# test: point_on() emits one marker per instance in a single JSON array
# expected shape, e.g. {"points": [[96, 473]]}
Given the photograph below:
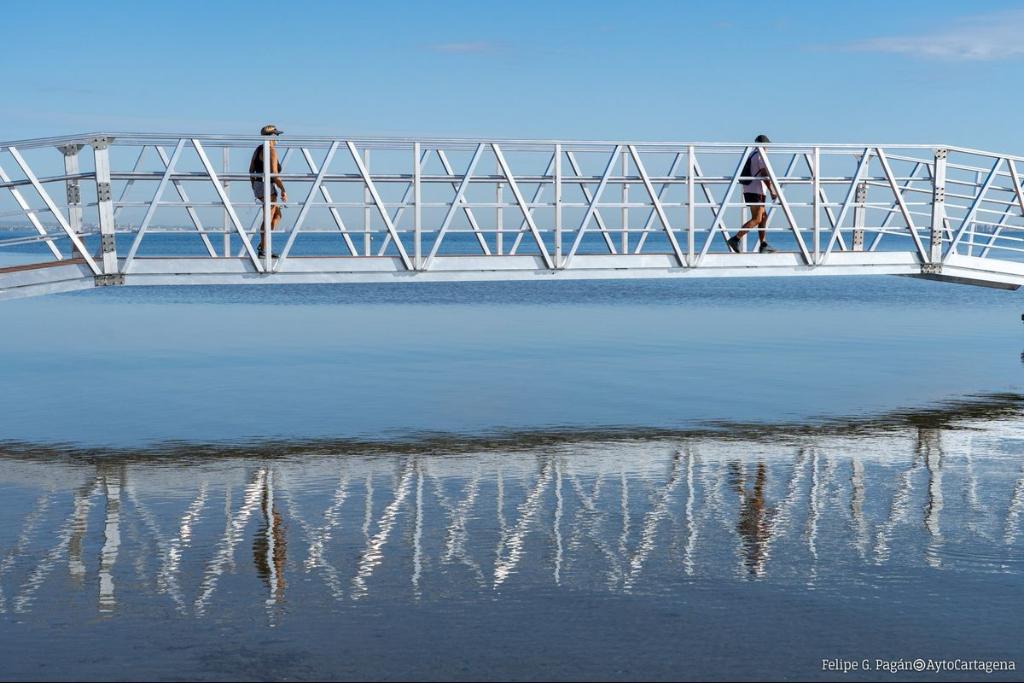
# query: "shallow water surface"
{"points": [[654, 480], [751, 556], [236, 364]]}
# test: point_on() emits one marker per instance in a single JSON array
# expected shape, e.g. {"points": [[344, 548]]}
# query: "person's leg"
{"points": [[257, 190], [275, 218], [263, 229], [756, 218], [762, 231], [263, 234]]}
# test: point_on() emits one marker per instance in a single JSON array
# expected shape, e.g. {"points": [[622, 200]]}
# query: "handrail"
{"points": [[404, 141]]}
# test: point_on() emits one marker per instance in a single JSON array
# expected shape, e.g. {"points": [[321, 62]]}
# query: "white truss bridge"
{"points": [[160, 209]]}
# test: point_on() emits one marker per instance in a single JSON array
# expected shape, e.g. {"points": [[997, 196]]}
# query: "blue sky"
{"points": [[800, 71]]}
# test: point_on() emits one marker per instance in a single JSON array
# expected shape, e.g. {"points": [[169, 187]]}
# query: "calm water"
{"points": [[606, 480], [131, 366]]}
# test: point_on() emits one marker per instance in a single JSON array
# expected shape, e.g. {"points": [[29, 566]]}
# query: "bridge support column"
{"points": [[938, 208], [105, 211], [74, 192]]}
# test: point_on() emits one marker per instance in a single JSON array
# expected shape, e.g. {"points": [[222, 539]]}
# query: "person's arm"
{"points": [[275, 167], [767, 179]]}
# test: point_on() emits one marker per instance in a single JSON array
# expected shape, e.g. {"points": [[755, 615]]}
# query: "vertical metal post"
{"points": [[499, 212], [973, 229], [691, 214], [625, 200], [740, 221], [558, 206], [226, 154], [267, 246], [105, 205], [859, 211], [417, 214], [816, 203], [367, 200], [938, 206], [74, 191]]}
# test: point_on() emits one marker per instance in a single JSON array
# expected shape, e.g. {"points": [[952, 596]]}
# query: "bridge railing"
{"points": [[109, 202]]}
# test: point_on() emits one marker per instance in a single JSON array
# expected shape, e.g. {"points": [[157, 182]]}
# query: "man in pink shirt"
{"points": [[756, 179]]}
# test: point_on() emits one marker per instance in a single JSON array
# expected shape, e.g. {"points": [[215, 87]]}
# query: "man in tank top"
{"points": [[256, 178]]}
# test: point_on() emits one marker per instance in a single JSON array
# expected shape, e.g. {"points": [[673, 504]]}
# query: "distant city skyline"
{"points": [[881, 72]]}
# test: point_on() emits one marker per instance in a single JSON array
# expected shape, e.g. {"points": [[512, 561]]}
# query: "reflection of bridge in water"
{"points": [[601, 515]]}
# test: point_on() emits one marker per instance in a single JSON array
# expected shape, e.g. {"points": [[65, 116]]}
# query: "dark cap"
{"points": [[762, 138], [270, 129]]}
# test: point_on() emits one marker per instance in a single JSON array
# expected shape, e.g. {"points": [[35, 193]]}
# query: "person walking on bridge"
{"points": [[756, 178], [256, 177]]}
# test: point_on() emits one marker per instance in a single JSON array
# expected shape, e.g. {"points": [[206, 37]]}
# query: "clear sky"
{"points": [[893, 71]]}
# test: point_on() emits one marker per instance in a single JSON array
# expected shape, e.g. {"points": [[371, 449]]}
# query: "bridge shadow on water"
{"points": [[744, 549]]}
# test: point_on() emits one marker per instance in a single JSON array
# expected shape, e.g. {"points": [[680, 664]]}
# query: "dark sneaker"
{"points": [[734, 244], [766, 248]]}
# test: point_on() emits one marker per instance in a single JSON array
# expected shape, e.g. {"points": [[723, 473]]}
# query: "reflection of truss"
{"points": [[180, 210], [705, 511]]}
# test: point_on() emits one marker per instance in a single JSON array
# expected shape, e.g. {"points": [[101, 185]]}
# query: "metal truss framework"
{"points": [[139, 209]]}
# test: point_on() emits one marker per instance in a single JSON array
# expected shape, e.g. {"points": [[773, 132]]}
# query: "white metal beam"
{"points": [[865, 160], [673, 169], [1015, 177], [662, 216], [30, 214], [192, 213], [521, 201], [154, 203], [902, 203], [794, 226], [717, 223], [410, 192], [968, 218], [306, 205], [228, 206], [379, 203], [327, 198], [465, 205], [588, 195], [57, 213], [454, 206], [592, 208]]}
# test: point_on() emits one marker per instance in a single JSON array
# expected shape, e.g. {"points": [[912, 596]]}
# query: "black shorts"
{"points": [[753, 198]]}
